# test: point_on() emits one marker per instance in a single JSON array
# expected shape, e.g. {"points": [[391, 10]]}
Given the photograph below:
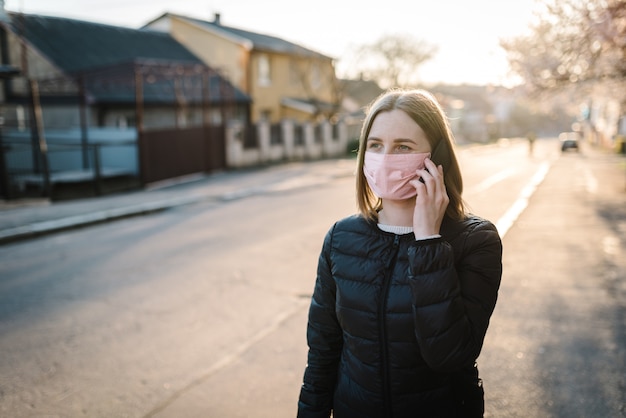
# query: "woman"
{"points": [[404, 289]]}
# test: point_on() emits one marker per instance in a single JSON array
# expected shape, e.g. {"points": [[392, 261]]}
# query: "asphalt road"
{"points": [[200, 311], [557, 343]]}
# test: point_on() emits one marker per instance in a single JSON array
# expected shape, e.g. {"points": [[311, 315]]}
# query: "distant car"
{"points": [[569, 141]]}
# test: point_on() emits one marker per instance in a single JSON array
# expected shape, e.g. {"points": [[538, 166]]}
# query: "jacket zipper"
{"points": [[383, 328]]}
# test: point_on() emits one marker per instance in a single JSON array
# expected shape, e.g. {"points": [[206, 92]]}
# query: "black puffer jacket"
{"points": [[395, 325]]}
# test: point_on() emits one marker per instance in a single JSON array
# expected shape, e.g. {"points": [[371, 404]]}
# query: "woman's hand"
{"points": [[431, 200]]}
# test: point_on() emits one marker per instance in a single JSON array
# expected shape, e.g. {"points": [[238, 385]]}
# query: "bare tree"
{"points": [[314, 75], [393, 60]]}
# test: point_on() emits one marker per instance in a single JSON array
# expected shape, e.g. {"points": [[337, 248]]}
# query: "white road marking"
{"points": [[508, 219], [491, 180], [234, 355], [610, 245], [591, 183]]}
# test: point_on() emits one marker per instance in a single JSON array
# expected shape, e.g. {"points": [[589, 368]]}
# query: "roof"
{"points": [[107, 56], [362, 91], [163, 82], [259, 41], [310, 106], [76, 45]]}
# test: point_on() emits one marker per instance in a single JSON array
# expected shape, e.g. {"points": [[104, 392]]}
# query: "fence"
{"points": [[166, 154], [120, 154], [286, 141], [30, 168]]}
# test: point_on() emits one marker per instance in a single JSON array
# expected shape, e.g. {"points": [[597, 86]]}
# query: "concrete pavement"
{"points": [[34, 217]]}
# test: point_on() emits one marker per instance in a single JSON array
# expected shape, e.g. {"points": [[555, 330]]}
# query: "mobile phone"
{"points": [[421, 179], [439, 156]]}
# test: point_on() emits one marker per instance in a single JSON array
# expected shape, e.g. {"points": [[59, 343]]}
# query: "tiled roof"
{"points": [[259, 41], [75, 45], [362, 91], [198, 83], [106, 57]]}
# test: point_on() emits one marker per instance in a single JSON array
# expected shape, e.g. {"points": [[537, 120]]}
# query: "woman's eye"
{"points": [[373, 145]]}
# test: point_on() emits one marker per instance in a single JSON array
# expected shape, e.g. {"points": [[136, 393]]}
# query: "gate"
{"points": [[169, 153]]}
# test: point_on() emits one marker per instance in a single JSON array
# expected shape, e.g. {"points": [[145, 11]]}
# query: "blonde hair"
{"points": [[424, 109]]}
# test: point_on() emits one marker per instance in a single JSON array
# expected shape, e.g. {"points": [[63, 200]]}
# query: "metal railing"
{"points": [[30, 165]]}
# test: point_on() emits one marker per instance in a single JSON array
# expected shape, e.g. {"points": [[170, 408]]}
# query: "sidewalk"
{"points": [[30, 218]]}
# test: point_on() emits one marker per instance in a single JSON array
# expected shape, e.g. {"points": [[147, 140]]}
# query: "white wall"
{"points": [[288, 150]]}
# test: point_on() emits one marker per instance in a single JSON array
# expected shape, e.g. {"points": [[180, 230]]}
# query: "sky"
{"points": [[466, 33]]}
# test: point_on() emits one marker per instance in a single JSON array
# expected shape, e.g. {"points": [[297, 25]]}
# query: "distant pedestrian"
{"points": [[406, 287], [531, 136]]}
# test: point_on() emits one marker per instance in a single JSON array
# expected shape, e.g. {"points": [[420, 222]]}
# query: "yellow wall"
{"points": [[219, 53], [289, 76], [240, 66]]}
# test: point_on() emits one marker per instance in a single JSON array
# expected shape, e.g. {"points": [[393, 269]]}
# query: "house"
{"points": [[284, 80], [356, 95], [60, 53], [100, 100], [84, 102]]}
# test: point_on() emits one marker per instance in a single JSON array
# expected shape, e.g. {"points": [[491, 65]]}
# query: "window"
{"points": [[264, 70], [121, 122], [215, 117], [266, 115]]}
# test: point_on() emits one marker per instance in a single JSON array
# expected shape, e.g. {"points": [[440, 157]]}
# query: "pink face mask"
{"points": [[388, 175]]}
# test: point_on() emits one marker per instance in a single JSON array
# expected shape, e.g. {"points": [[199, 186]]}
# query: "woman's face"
{"points": [[394, 132]]}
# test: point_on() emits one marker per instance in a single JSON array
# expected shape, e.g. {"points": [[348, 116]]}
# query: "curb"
{"points": [[47, 227], [37, 229]]}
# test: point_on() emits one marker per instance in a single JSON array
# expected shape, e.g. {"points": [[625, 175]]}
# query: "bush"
{"points": [[620, 144]]}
